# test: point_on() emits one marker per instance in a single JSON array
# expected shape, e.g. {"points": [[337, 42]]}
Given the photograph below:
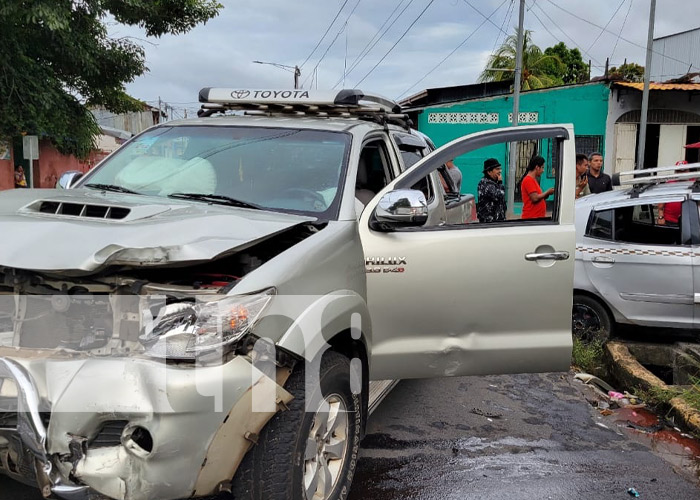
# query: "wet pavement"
{"points": [[505, 437], [524, 436]]}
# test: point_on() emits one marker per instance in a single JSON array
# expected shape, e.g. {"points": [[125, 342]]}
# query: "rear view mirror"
{"points": [[68, 179], [400, 208]]}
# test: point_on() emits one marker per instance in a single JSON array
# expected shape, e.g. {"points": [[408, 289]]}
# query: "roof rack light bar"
{"points": [[349, 98], [689, 171]]}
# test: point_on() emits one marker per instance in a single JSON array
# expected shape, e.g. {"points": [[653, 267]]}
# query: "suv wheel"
{"points": [[590, 320], [304, 455]]}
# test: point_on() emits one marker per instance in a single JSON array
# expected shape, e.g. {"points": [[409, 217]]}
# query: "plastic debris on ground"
{"points": [[633, 492]]}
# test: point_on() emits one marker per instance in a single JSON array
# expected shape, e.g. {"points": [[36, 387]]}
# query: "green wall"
{"points": [[586, 106]]}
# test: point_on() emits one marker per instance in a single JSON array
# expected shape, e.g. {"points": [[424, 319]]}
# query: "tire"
{"points": [[277, 468], [590, 320]]}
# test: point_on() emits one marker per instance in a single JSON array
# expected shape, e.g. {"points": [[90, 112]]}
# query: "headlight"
{"points": [[184, 330]]}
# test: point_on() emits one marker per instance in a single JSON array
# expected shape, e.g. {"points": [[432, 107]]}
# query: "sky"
{"points": [[391, 47]]}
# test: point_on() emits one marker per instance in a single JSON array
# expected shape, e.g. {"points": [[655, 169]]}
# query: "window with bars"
{"points": [[525, 151]]}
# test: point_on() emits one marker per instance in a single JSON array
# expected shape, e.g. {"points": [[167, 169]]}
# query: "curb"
{"points": [[625, 368]]}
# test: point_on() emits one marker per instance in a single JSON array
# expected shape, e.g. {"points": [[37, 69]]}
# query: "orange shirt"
{"points": [[532, 210]]}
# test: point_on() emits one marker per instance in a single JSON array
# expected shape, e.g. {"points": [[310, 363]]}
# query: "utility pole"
{"points": [[510, 181], [645, 93]]}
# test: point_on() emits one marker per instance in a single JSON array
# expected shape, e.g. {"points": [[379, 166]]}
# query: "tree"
{"points": [[574, 69], [538, 70], [57, 59], [630, 72]]}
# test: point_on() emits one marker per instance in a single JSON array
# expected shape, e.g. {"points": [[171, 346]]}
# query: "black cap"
{"points": [[490, 164]]}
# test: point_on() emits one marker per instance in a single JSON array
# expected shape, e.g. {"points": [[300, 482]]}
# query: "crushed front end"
{"points": [[130, 388]]}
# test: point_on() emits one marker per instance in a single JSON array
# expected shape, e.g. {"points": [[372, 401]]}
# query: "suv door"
{"points": [[691, 213], [473, 298], [640, 268]]}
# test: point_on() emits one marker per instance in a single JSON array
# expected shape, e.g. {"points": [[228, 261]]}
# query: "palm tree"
{"points": [[538, 70]]}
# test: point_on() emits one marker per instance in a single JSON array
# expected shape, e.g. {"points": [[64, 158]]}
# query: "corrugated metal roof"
{"points": [[659, 86]]}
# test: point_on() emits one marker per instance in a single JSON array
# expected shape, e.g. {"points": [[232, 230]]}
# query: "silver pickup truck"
{"points": [[216, 307]]}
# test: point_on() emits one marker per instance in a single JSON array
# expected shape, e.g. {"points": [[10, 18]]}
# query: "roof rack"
{"points": [[347, 102], [643, 179]]}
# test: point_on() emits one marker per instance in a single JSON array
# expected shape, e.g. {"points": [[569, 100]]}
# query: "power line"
{"points": [[331, 44], [395, 44], [324, 35], [531, 9], [583, 51], [455, 49], [507, 17], [365, 51], [486, 17], [608, 24], [621, 30], [621, 37]]}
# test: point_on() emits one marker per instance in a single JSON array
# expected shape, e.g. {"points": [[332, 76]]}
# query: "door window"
{"points": [[633, 224]]}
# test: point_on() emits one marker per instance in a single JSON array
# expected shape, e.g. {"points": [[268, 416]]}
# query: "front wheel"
{"points": [[307, 453], [590, 320]]}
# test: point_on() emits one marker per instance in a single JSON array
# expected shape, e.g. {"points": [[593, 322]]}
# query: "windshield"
{"points": [[289, 170]]}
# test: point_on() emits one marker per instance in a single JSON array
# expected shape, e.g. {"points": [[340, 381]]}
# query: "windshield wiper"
{"points": [[214, 198], [111, 187]]}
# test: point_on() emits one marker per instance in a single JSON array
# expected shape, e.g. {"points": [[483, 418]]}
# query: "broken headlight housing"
{"points": [[185, 330]]}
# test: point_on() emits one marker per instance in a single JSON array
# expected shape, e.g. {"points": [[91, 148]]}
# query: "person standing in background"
{"points": [[534, 205], [582, 188], [598, 182], [491, 193]]}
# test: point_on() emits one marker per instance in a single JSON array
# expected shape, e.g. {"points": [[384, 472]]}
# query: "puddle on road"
{"points": [[644, 427]]}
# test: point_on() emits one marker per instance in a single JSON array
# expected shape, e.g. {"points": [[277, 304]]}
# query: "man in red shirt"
{"points": [[670, 213], [534, 205]]}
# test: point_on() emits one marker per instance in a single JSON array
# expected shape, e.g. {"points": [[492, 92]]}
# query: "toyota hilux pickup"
{"points": [[218, 305]]}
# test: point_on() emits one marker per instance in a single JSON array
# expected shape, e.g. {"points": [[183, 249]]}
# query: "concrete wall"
{"points": [[51, 164], [7, 168], [623, 100], [586, 106]]}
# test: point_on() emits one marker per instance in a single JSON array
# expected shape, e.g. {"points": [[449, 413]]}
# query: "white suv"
{"points": [[636, 263]]}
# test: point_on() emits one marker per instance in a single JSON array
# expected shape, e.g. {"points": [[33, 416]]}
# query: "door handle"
{"points": [[547, 256], [603, 260]]}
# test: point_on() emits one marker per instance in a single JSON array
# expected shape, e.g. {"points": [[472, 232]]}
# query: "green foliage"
{"points": [[573, 69], [691, 395], [588, 356], [539, 70], [630, 72], [57, 57]]}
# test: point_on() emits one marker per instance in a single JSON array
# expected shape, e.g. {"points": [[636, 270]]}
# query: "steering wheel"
{"points": [[318, 201]]}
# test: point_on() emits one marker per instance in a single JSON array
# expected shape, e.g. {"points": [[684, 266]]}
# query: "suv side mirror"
{"points": [[400, 208], [68, 179]]}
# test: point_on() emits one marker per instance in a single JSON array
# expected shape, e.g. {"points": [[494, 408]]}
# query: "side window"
{"points": [[373, 171], [632, 224], [600, 225]]}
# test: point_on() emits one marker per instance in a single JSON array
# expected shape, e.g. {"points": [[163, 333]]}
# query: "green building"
{"points": [[448, 113]]}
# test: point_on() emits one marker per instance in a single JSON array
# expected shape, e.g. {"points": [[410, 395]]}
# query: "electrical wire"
{"points": [[365, 51], [395, 44], [507, 17], [453, 51], [608, 24], [486, 17], [332, 42], [583, 51], [324, 35], [621, 30], [621, 37], [531, 9]]}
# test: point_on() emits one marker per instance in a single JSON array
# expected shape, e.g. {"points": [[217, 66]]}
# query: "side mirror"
{"points": [[68, 179], [401, 208]]}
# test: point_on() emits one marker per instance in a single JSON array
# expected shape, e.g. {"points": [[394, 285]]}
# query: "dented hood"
{"points": [[84, 230]]}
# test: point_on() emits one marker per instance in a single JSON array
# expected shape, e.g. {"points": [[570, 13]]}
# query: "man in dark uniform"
{"points": [[491, 205], [598, 182]]}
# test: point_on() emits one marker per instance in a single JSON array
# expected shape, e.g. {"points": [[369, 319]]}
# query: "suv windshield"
{"points": [[279, 169]]}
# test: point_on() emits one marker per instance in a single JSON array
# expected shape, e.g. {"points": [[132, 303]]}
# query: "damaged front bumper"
{"points": [[129, 428]]}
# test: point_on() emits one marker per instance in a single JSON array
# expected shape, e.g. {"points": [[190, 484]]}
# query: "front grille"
{"points": [[110, 434]]}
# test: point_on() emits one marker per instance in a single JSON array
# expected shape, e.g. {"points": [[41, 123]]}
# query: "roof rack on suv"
{"points": [[645, 178], [347, 102]]}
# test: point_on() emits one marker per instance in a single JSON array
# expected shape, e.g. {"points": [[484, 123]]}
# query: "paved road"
{"points": [[424, 443]]}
